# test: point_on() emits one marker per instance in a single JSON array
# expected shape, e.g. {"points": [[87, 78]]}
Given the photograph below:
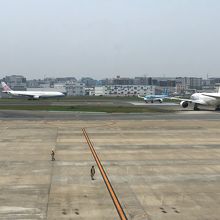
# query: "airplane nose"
{"points": [[193, 97]]}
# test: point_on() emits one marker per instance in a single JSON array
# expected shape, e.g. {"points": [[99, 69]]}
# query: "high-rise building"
{"points": [[190, 82], [123, 81], [89, 82], [75, 89]]}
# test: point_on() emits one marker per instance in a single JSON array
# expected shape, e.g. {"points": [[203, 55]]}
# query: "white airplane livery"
{"points": [[31, 94], [204, 98]]}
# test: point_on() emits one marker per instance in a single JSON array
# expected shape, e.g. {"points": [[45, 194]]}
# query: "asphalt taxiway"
{"points": [[161, 166], [55, 115]]}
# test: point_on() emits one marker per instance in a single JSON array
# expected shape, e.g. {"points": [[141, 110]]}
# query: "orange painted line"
{"points": [[115, 200]]}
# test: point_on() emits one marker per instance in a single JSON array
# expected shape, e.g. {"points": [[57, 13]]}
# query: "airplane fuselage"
{"points": [[36, 94], [205, 99], [154, 98]]}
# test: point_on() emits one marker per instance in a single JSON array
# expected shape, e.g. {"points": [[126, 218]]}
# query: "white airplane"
{"points": [[153, 98], [30, 94], [204, 98]]}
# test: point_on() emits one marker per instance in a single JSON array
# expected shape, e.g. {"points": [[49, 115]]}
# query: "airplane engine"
{"points": [[184, 104], [36, 97], [160, 100]]}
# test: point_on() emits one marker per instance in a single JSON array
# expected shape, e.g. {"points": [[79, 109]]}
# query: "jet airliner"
{"points": [[30, 94], [198, 99], [152, 98]]}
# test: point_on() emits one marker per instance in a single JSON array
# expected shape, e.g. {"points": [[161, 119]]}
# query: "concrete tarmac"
{"points": [[160, 168]]}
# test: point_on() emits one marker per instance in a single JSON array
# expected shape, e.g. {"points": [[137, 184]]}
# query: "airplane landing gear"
{"points": [[152, 101], [196, 107], [217, 108]]}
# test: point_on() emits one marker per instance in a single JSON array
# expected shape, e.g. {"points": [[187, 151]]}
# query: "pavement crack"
{"points": [[51, 175]]}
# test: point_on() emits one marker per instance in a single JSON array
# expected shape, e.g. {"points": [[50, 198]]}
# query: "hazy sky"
{"points": [[105, 38]]}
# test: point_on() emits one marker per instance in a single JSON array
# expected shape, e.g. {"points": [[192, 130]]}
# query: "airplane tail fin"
{"points": [[165, 92], [140, 97], [5, 87]]}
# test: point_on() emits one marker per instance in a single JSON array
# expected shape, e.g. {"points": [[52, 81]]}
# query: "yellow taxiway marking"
{"points": [[115, 200]]}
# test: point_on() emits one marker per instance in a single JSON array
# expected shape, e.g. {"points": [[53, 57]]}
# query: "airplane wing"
{"points": [[201, 102], [179, 99], [32, 96], [212, 96], [141, 97]]}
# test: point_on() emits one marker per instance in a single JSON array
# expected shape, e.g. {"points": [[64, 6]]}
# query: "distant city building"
{"points": [[105, 82], [207, 86], [142, 81], [75, 89], [167, 90], [49, 80], [70, 88], [167, 83], [217, 86], [214, 81], [16, 82], [184, 82], [33, 83], [55, 88], [65, 79], [124, 90], [190, 82], [206, 82], [100, 91], [122, 81], [119, 86], [90, 91], [180, 88], [46, 85], [195, 83], [89, 82]]}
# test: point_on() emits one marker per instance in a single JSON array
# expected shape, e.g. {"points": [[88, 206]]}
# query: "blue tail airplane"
{"points": [[153, 98]]}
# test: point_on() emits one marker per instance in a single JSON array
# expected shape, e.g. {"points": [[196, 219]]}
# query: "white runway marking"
{"points": [[201, 112]]}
